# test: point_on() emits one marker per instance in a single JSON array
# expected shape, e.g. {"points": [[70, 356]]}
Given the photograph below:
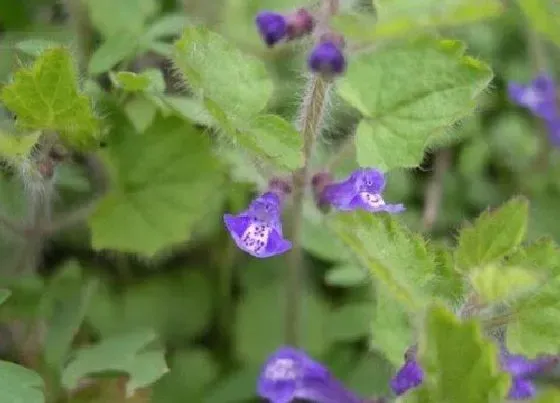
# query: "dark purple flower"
{"points": [[409, 376], [327, 58], [299, 23], [521, 370], [272, 27], [290, 374], [258, 230], [539, 96], [361, 190]]}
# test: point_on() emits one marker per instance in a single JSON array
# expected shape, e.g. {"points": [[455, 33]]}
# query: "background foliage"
{"points": [[129, 289]]}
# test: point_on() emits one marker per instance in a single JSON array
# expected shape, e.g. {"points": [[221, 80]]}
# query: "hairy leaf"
{"points": [[408, 93], [162, 183], [46, 97], [493, 235]]}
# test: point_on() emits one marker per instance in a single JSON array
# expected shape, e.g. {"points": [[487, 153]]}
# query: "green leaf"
{"points": [[542, 255], [114, 18], [544, 16], [191, 372], [493, 235], [113, 51], [272, 137], [141, 112], [150, 80], [46, 97], [126, 353], [65, 303], [392, 255], [14, 148], [406, 94], [34, 47], [19, 384], [347, 275], [399, 18], [493, 283], [534, 327], [190, 109], [158, 197], [4, 295], [460, 365], [167, 25], [236, 82], [350, 322], [258, 332], [391, 329]]}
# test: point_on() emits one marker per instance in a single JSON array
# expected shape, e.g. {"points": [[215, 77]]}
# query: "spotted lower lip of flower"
{"points": [[272, 27], [362, 190], [327, 58], [539, 96], [409, 376], [290, 374], [258, 230]]}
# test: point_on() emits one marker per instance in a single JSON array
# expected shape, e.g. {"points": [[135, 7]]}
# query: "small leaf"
{"points": [[65, 302], [541, 256], [544, 16], [149, 80], [124, 353], [392, 255], [158, 197], [4, 295], [111, 52], [34, 47], [494, 283], [14, 148], [534, 327], [45, 97], [141, 113], [114, 18], [347, 275], [235, 82], [493, 235], [19, 384], [451, 350], [406, 94], [167, 25]]}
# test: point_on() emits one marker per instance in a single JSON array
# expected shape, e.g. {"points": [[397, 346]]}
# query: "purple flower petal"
{"points": [[272, 27], [553, 128], [327, 58], [539, 96], [258, 230], [521, 389], [290, 374], [361, 190], [409, 376]]}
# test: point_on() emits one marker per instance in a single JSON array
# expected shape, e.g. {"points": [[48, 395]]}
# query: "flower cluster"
{"points": [[258, 229], [539, 97], [521, 369], [327, 56]]}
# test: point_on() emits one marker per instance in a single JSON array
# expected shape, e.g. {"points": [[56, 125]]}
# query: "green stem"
{"points": [[79, 18], [312, 110]]}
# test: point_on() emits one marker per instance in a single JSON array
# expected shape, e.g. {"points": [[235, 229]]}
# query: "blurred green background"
{"points": [[218, 311]]}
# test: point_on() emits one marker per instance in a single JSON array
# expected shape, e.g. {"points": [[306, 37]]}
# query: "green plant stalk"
{"points": [[311, 113]]}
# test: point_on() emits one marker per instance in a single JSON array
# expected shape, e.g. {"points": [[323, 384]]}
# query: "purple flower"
{"points": [[258, 230], [291, 374], [272, 27], [409, 376], [361, 190], [539, 96], [327, 58], [521, 370]]}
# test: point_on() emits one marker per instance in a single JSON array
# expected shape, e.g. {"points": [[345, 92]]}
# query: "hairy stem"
{"points": [[434, 190], [311, 113]]}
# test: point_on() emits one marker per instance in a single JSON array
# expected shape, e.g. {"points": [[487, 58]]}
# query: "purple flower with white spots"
{"points": [[258, 230], [539, 96], [291, 374], [361, 190], [272, 27], [327, 58], [409, 376], [521, 370]]}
